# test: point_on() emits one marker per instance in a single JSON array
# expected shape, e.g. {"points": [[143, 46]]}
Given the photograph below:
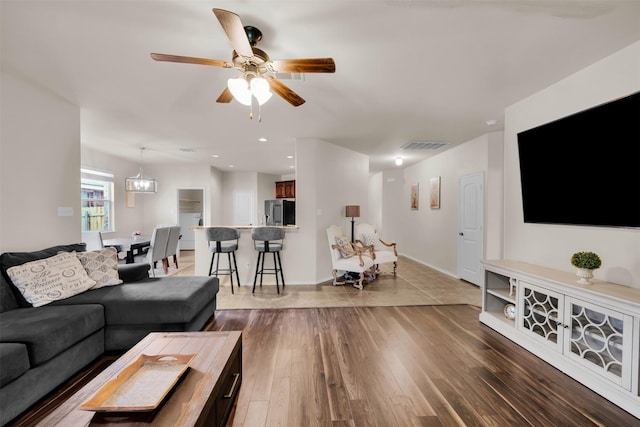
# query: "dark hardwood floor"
{"points": [[392, 366]]}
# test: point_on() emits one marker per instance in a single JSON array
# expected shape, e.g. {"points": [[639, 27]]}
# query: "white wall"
{"points": [[162, 207], [266, 191], [127, 220], [552, 245], [39, 167], [430, 236], [328, 178]]}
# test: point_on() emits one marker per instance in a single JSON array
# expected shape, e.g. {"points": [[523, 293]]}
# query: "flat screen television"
{"points": [[584, 169]]}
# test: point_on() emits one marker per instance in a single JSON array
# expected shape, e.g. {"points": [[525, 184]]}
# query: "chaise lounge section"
{"points": [[41, 347]]}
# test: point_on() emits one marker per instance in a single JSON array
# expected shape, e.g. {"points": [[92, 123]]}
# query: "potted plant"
{"points": [[585, 262]]}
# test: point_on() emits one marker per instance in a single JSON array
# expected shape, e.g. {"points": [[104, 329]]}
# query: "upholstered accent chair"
{"points": [[366, 235], [349, 258]]}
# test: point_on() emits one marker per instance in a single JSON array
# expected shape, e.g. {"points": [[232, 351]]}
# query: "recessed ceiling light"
{"points": [[399, 161], [262, 139], [491, 122], [215, 155], [291, 167], [289, 157], [231, 166]]}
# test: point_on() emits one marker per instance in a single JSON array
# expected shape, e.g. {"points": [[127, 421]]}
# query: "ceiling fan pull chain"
{"points": [[259, 113], [251, 111]]}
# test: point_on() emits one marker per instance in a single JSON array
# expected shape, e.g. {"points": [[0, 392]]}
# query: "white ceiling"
{"points": [[405, 70]]}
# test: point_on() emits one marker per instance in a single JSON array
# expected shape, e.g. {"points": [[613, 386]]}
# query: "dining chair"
{"points": [[93, 240], [223, 240], [172, 244], [268, 240], [158, 249]]}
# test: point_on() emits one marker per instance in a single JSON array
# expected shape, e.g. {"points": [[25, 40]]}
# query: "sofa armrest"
{"points": [[133, 272]]}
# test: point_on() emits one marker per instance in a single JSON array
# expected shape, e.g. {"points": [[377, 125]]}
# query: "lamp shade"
{"points": [[239, 88], [260, 89], [353, 211]]}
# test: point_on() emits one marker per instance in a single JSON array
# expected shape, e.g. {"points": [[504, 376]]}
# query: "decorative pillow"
{"points": [[101, 266], [373, 239], [44, 281], [344, 242]]}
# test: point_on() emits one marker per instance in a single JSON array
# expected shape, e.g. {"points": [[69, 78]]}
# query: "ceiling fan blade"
{"points": [[191, 60], [234, 29], [283, 90], [310, 65], [225, 96]]}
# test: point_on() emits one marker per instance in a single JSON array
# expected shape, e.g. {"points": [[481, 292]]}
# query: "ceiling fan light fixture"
{"points": [[260, 89], [242, 90], [239, 88]]}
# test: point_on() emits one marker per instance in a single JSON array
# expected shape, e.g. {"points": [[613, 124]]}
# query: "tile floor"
{"points": [[414, 284]]}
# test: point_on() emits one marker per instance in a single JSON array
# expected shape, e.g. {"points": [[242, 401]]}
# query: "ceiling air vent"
{"points": [[417, 145]]}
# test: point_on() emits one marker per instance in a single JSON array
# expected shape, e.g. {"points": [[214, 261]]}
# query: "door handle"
{"points": [[461, 234]]}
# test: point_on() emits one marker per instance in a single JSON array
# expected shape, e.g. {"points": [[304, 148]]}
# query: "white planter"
{"points": [[584, 274]]}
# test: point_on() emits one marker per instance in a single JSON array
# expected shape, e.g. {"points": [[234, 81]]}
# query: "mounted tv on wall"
{"points": [[584, 169]]}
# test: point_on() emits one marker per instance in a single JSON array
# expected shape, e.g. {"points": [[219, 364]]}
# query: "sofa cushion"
{"points": [[49, 330], [151, 301], [101, 266], [46, 280], [14, 360], [10, 259], [8, 299], [134, 272]]}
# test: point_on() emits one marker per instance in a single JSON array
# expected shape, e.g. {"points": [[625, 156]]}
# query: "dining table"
{"points": [[132, 245]]}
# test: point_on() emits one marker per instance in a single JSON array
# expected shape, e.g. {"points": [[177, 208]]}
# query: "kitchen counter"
{"points": [[246, 256], [244, 227]]}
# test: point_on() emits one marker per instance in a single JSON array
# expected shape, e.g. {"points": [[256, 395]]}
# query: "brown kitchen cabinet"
{"points": [[286, 189]]}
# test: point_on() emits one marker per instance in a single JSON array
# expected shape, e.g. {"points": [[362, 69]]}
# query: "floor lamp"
{"points": [[353, 212]]}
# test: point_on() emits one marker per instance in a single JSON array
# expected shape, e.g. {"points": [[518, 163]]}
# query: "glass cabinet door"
{"points": [[540, 316], [600, 339]]}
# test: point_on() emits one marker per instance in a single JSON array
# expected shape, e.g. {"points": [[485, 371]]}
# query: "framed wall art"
{"points": [[415, 196], [434, 199]]}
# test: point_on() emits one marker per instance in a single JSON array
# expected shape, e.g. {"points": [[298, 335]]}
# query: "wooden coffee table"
{"points": [[203, 396]]}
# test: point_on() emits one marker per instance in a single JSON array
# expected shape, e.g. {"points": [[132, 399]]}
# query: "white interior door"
{"points": [[470, 228], [243, 208]]}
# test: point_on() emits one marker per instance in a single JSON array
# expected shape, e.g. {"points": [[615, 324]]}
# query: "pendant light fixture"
{"points": [[140, 184]]}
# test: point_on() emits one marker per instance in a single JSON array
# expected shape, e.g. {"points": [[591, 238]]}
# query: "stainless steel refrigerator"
{"points": [[280, 212]]}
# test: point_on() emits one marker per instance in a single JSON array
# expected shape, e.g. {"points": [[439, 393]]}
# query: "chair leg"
{"points": [[280, 268], [236, 267], [230, 270], [255, 277], [262, 267], [175, 260], [275, 270], [218, 265], [165, 265], [213, 256]]}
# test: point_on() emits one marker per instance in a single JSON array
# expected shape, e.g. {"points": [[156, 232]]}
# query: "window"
{"points": [[96, 194]]}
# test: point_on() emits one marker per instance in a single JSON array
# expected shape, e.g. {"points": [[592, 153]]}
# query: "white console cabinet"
{"points": [[590, 332]]}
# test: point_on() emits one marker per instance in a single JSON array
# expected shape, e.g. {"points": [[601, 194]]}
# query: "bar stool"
{"points": [[268, 240], [223, 240]]}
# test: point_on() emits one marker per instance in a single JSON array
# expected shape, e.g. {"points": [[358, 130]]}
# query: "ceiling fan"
{"points": [[256, 66]]}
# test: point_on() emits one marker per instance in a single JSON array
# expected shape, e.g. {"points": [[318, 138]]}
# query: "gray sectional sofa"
{"points": [[41, 347]]}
